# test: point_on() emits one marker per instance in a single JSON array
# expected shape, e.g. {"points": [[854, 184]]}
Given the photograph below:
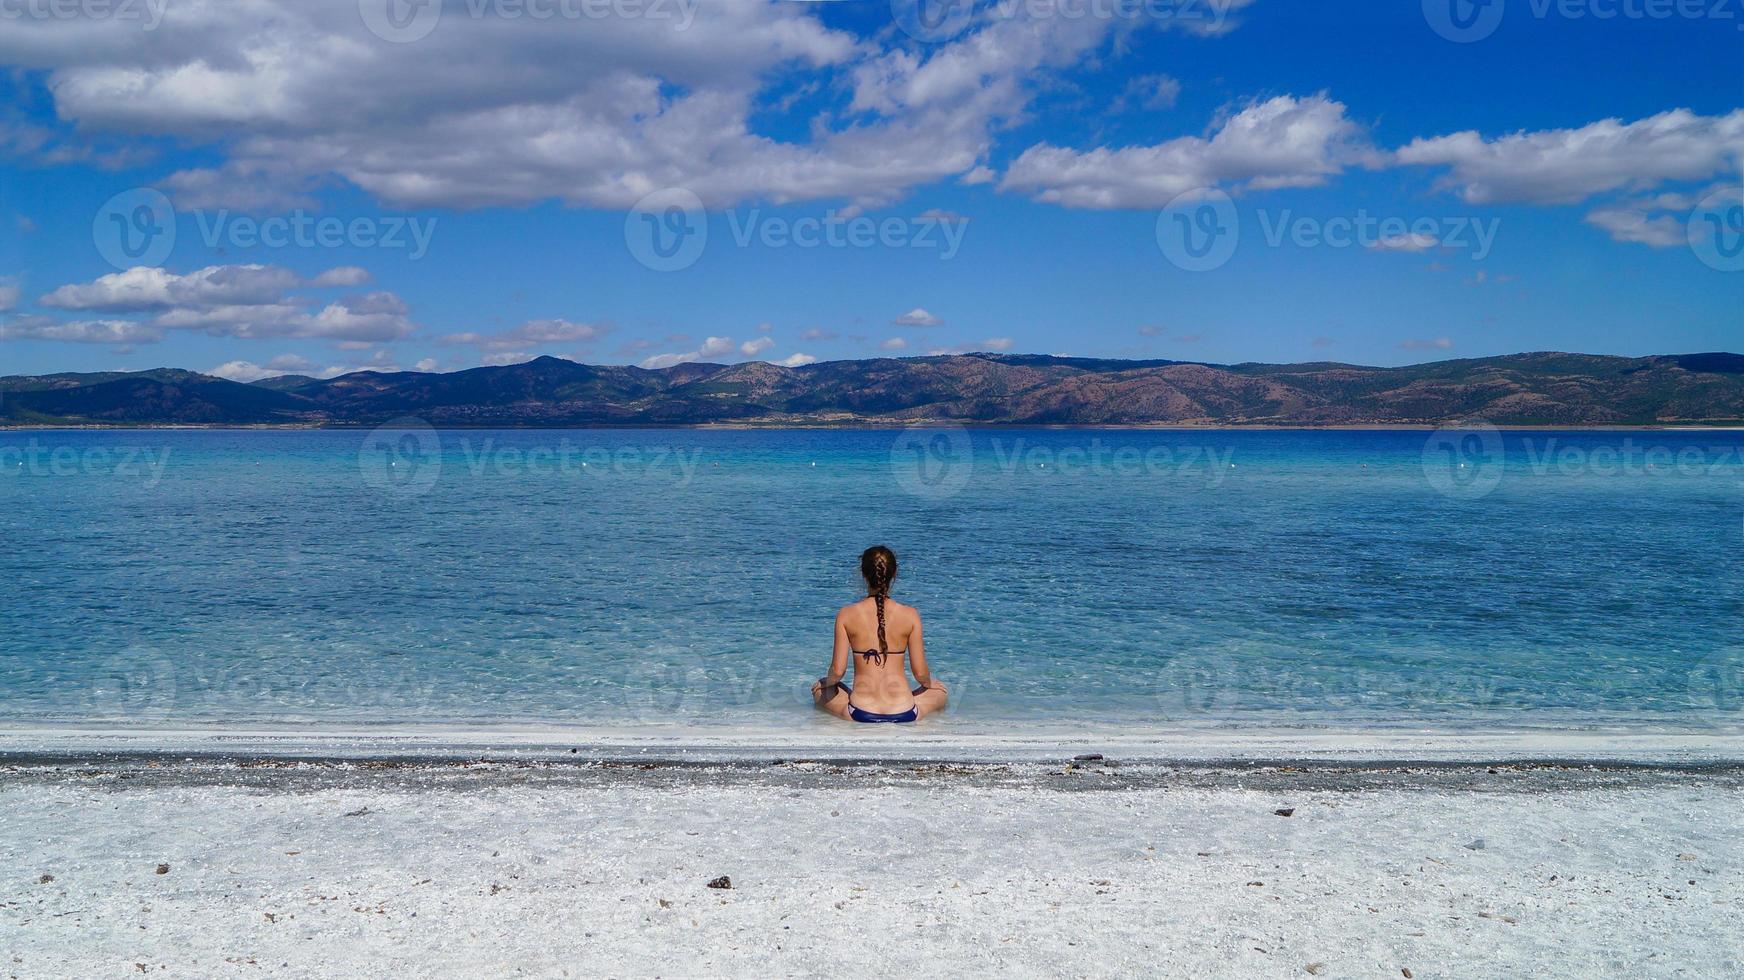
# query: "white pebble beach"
{"points": [[899, 868]]}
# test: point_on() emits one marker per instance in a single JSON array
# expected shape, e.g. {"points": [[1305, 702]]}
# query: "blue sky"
{"points": [[1018, 182]]}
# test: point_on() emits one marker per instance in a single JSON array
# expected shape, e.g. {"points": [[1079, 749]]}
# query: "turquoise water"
{"points": [[1143, 578]]}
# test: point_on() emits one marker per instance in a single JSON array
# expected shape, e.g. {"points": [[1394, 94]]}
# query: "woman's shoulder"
{"points": [[890, 606]]}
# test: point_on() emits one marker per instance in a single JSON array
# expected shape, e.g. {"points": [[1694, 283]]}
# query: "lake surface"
{"points": [[1138, 578]]}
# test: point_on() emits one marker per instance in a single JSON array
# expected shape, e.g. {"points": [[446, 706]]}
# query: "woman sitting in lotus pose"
{"points": [[868, 630]]}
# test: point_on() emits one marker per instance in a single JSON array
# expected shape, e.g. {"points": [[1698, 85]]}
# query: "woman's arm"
{"points": [[917, 657], [838, 655]]}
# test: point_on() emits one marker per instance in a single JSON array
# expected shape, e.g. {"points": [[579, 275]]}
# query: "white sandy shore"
{"points": [[846, 875]]}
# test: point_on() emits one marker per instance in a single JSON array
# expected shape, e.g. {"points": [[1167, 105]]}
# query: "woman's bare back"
{"points": [[880, 678]]}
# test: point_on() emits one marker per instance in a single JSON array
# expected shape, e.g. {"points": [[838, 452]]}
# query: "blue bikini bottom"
{"points": [[873, 717]]}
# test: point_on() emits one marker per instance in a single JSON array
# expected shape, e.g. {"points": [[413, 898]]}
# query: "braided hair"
{"points": [[878, 568]]}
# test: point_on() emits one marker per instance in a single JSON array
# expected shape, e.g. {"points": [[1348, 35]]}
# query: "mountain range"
{"points": [[1519, 389]]}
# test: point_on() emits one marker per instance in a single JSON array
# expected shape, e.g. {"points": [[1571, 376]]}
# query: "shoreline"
{"points": [[134, 772], [747, 745]]}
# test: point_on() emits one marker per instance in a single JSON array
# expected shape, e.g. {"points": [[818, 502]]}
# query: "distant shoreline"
{"points": [[893, 426], [1528, 390]]}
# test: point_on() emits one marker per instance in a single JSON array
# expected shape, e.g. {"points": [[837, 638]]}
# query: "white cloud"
{"points": [[1435, 343], [532, 333], [519, 110], [755, 346], [1280, 142], [81, 331], [243, 371], [1150, 92], [149, 288], [818, 334], [1631, 224], [893, 343], [382, 360], [797, 360], [243, 301], [711, 347], [990, 344], [245, 185], [765, 327], [345, 275], [426, 365], [9, 293], [503, 358], [1413, 242], [1565, 166], [377, 316], [290, 362], [1657, 220], [247, 371], [354, 321], [242, 322], [918, 317]]}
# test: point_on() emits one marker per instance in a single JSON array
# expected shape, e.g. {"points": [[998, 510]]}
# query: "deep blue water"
{"points": [[1149, 578]]}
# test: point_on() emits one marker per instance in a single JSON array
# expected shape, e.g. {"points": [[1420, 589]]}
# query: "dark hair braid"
{"points": [[878, 568], [878, 598]]}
